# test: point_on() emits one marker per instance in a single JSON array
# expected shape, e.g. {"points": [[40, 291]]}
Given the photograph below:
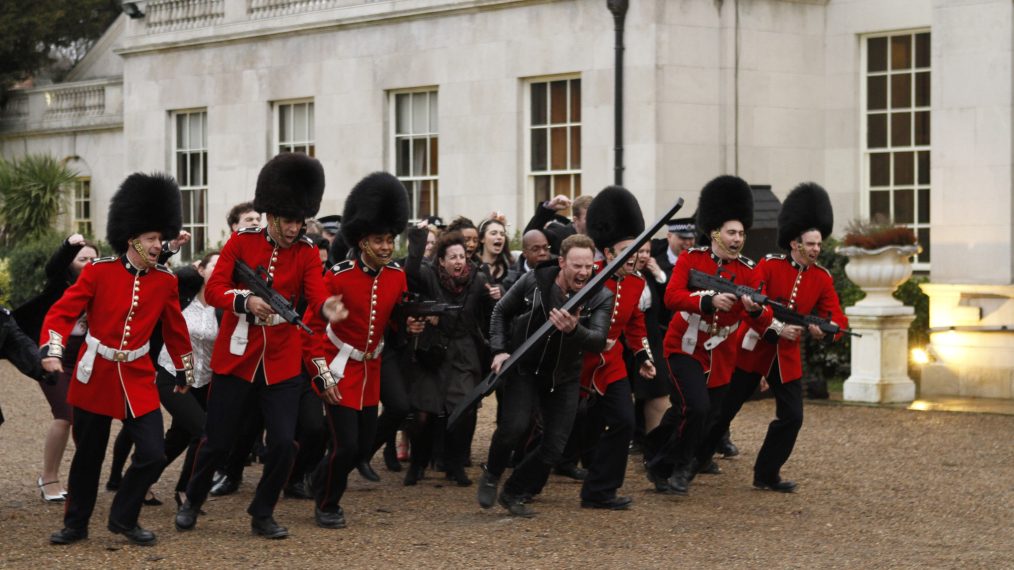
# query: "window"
{"points": [[190, 163], [295, 127], [554, 138], [416, 148], [897, 132], [82, 220]]}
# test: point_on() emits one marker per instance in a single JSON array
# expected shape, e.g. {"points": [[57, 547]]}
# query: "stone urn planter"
{"points": [[879, 272]]}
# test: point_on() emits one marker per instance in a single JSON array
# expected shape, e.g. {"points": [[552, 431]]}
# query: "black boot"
{"points": [[458, 475], [414, 474], [679, 482], [391, 458], [367, 471]]}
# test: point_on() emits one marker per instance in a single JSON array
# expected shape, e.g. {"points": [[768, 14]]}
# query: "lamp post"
{"points": [[619, 10]]}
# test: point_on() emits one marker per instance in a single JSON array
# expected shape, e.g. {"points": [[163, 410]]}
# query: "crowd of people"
{"points": [[304, 343]]}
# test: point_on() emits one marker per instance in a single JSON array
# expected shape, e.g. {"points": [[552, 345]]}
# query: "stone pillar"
{"points": [[880, 356]]}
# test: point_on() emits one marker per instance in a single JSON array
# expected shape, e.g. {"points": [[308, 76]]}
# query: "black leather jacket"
{"points": [[525, 308]]}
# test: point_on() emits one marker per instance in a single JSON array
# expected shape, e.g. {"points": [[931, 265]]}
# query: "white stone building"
{"points": [[901, 107]]}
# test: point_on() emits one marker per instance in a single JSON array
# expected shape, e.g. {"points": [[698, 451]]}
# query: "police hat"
{"points": [[144, 203], [807, 207], [683, 227], [330, 224]]}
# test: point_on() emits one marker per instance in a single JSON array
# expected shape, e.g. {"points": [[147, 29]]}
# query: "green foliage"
{"points": [[33, 192], [27, 260], [5, 284]]}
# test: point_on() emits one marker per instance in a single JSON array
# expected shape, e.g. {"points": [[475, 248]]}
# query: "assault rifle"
{"points": [[788, 316], [412, 306], [487, 386], [718, 284], [261, 287]]}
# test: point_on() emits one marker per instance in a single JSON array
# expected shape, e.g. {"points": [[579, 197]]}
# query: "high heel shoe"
{"points": [[58, 498], [150, 500]]}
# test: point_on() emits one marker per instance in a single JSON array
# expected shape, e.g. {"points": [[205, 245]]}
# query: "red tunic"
{"points": [[123, 306], [599, 370], [719, 362], [370, 297], [802, 289], [296, 273]]}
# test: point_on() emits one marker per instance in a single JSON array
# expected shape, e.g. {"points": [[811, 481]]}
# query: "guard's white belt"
{"points": [[87, 362], [240, 335], [696, 324], [347, 351]]}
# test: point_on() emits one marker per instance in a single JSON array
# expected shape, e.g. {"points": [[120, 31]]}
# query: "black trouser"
{"points": [[351, 431], [311, 432], [394, 397], [706, 448], [611, 426], [246, 440], [782, 432], [427, 428], [188, 414], [91, 435], [279, 404], [678, 435], [522, 393]]}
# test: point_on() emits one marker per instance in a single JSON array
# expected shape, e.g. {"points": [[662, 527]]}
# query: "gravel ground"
{"points": [[883, 488]]}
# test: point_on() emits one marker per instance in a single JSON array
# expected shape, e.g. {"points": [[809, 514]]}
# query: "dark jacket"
{"points": [[58, 277], [526, 307]]}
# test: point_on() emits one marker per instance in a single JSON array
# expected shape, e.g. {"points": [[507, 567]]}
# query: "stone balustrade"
{"points": [[171, 15], [75, 102], [15, 109], [258, 9], [72, 106]]}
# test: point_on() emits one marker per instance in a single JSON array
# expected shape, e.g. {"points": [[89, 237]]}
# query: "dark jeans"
{"points": [[394, 397], [673, 443], [351, 431], [522, 394], [427, 429], [611, 425], [279, 404], [91, 435]]}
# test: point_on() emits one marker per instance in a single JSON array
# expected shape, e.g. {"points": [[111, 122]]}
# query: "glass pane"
{"points": [[309, 122], [200, 213], [195, 169], [284, 123], [204, 169], [181, 169], [539, 149], [922, 128], [558, 102], [901, 52], [199, 240], [420, 113], [901, 91], [924, 240], [403, 155], [922, 89], [401, 113], [434, 197], [876, 92], [577, 185], [924, 167], [433, 113], [904, 206], [922, 50], [413, 205], [425, 199], [575, 100], [543, 191], [434, 156], [539, 113], [197, 130], [299, 121], [419, 164], [311, 150], [876, 131], [904, 168], [182, 132], [880, 169], [880, 205], [876, 54], [924, 206], [187, 198], [575, 148], [561, 184], [558, 139], [901, 129]]}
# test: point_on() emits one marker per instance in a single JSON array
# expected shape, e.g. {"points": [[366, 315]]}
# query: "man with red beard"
{"points": [[257, 352], [699, 351], [770, 348], [614, 220], [124, 297]]}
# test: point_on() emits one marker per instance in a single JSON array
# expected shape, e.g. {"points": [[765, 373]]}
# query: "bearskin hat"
{"points": [[807, 207], [724, 198], [144, 203], [613, 216], [378, 204], [290, 185]]}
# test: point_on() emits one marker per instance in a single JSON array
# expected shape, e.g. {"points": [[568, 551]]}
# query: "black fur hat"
{"points": [[378, 204], [189, 282], [290, 185], [144, 203], [724, 198], [807, 207], [613, 216]]}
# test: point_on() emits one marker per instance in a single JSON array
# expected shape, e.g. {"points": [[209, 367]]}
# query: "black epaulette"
{"points": [[306, 239], [826, 270], [775, 256], [250, 230], [164, 269], [104, 259], [394, 265], [342, 266], [747, 261]]}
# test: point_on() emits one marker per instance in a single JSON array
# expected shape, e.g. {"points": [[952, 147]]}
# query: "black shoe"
{"points": [[136, 535], [391, 458], [267, 527], [367, 471], [225, 486], [186, 516], [459, 476], [487, 488], [614, 504], [679, 483], [150, 500], [68, 535], [297, 489], [329, 520], [516, 505], [710, 468], [572, 471], [727, 448], [113, 484], [779, 485], [414, 474]]}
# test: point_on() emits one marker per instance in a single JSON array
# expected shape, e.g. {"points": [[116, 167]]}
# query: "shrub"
{"points": [[33, 190], [877, 234], [27, 260]]}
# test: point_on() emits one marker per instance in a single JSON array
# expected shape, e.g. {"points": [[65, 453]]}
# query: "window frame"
{"points": [[410, 180], [82, 225], [194, 247], [530, 175], [277, 144]]}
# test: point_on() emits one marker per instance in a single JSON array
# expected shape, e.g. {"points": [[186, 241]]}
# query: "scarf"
{"points": [[454, 285]]}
